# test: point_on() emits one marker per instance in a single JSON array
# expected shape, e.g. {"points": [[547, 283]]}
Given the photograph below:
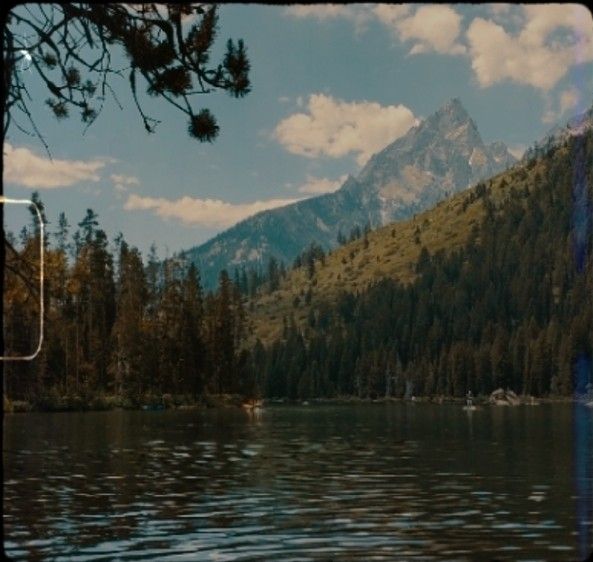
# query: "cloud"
{"points": [[553, 38], [510, 16], [549, 116], [121, 182], [359, 14], [517, 150], [321, 11], [23, 167], [212, 213], [568, 100], [498, 9], [317, 186], [533, 45], [432, 28], [391, 14], [335, 128], [125, 180]]}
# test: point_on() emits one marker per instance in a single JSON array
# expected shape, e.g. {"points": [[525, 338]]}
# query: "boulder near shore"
{"points": [[502, 397]]}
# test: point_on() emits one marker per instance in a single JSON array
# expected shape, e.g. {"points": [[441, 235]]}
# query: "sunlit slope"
{"points": [[391, 251]]}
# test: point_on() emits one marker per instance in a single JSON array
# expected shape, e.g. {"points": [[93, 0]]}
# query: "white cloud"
{"points": [[124, 180], [549, 116], [336, 128], [212, 213], [498, 9], [321, 11], [517, 150], [23, 167], [431, 27], [553, 39], [359, 14], [533, 45], [121, 182], [569, 100], [391, 14], [317, 186], [510, 16]]}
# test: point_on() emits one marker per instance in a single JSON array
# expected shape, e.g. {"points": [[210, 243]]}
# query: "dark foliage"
{"points": [[114, 326], [513, 308], [69, 47]]}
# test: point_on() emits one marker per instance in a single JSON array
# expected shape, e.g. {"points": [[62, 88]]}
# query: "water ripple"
{"points": [[311, 483]]}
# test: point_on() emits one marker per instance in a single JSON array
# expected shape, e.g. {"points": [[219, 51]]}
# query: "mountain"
{"points": [[442, 155], [530, 199]]}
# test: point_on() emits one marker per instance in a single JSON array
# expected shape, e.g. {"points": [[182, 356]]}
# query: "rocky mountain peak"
{"points": [[441, 155], [446, 147], [451, 112], [453, 121]]}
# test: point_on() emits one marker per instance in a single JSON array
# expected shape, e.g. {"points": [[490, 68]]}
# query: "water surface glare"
{"points": [[403, 482]]}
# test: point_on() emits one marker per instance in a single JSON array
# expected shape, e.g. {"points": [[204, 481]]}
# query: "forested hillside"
{"points": [[116, 327], [511, 307]]}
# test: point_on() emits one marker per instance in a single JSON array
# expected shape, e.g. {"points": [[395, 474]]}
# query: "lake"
{"points": [[393, 481]]}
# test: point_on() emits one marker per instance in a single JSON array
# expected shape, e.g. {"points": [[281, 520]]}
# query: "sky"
{"points": [[331, 85]]}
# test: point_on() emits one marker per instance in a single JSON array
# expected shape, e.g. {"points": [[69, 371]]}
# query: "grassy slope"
{"points": [[392, 251]]}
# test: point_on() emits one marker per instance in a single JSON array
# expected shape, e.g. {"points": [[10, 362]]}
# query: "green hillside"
{"points": [[391, 251], [491, 288]]}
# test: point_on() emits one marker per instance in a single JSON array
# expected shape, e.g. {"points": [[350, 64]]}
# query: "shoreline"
{"points": [[106, 403], [221, 401]]}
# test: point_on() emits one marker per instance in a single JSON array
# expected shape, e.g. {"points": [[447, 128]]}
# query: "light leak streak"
{"points": [[4, 200], [582, 415]]}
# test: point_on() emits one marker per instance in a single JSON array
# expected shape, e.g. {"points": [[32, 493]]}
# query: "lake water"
{"points": [[338, 482]]}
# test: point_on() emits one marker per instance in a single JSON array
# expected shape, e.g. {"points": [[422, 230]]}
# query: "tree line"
{"points": [[513, 308], [116, 326]]}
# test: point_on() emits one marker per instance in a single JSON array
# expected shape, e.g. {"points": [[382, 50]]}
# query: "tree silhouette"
{"points": [[70, 48]]}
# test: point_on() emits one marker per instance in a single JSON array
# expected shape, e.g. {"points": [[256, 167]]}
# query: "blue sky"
{"points": [[331, 85]]}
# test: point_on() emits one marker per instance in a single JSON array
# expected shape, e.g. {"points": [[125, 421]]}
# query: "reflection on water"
{"points": [[363, 482]]}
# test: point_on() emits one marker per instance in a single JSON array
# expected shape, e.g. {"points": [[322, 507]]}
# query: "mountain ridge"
{"points": [[574, 126], [441, 155]]}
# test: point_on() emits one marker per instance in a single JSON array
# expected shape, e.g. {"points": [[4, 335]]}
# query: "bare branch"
{"points": [[70, 52]]}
